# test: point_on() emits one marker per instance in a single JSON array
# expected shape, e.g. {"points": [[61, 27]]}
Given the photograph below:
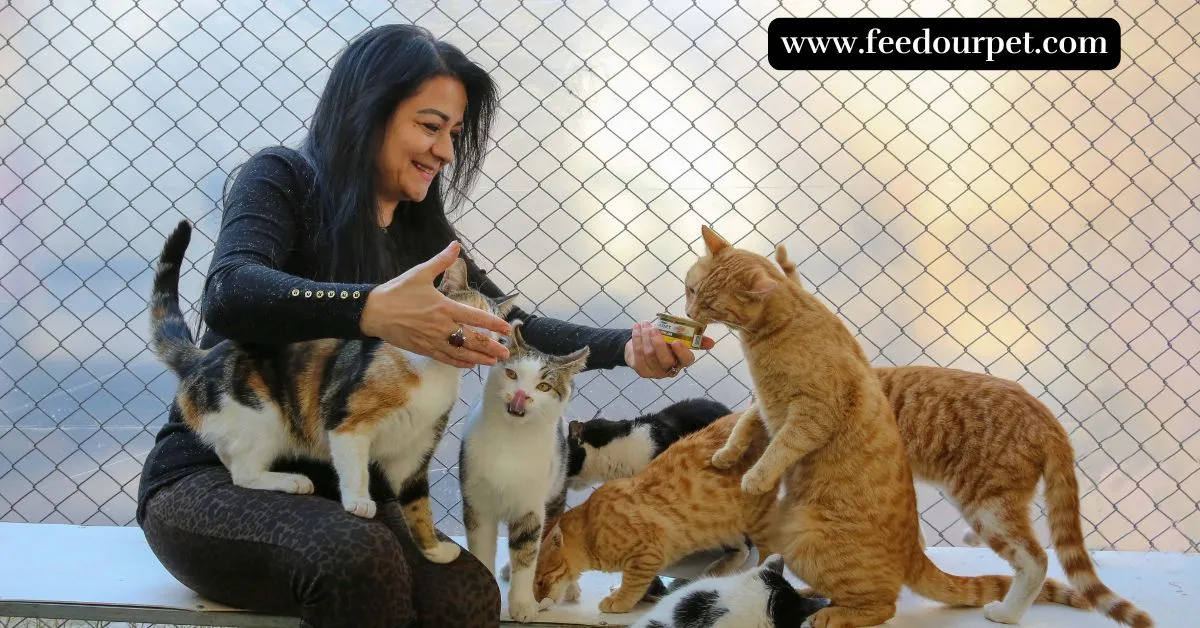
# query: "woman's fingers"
{"points": [[663, 356], [485, 346], [445, 358], [683, 355], [639, 352], [470, 356], [438, 264], [467, 315]]}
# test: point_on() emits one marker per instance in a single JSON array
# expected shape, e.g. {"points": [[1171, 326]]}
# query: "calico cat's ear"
{"points": [[713, 242], [575, 362], [774, 563], [575, 430], [504, 304], [455, 277]]}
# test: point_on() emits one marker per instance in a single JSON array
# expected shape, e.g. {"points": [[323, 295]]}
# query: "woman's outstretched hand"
{"points": [[410, 313], [650, 355]]}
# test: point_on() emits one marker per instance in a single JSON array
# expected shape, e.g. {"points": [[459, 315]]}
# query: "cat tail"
{"points": [[170, 338], [1062, 509], [935, 584]]}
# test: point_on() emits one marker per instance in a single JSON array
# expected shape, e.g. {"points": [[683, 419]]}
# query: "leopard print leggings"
{"points": [[304, 556]]}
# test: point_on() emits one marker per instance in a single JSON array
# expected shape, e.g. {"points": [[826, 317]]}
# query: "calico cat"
{"points": [[349, 402], [848, 518], [677, 505], [513, 462], [603, 449], [757, 598], [985, 442]]}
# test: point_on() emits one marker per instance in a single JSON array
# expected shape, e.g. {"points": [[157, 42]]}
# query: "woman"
{"points": [[344, 238]]}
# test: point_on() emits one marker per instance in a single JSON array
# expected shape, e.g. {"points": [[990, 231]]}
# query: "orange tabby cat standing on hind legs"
{"points": [[847, 523], [985, 442]]}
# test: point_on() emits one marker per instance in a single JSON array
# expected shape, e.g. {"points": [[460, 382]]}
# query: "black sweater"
{"points": [[257, 291]]}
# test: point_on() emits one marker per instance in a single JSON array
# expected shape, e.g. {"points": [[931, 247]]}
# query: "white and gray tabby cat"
{"points": [[606, 449], [513, 463], [757, 598]]}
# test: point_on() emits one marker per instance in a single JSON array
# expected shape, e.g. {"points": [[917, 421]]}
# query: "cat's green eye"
{"points": [[510, 373], [544, 387]]}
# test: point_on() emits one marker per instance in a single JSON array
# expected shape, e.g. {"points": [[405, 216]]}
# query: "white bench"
{"points": [[109, 574]]}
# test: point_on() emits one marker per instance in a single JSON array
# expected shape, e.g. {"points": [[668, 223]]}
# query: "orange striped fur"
{"points": [[676, 505], [986, 442], [848, 519]]}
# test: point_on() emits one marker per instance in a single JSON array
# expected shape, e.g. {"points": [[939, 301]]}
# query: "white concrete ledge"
{"points": [[108, 573], [1166, 585]]}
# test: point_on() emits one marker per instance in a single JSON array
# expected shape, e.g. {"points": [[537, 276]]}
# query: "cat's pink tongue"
{"points": [[517, 404]]}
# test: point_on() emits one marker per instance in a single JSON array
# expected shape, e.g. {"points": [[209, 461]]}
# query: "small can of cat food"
{"points": [[675, 328]]}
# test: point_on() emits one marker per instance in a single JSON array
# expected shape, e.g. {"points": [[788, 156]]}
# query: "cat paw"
{"points": [[971, 538], [283, 482], [999, 613], [724, 458], [754, 483], [545, 604], [573, 591], [611, 604], [360, 507], [506, 572], [442, 553], [523, 611]]}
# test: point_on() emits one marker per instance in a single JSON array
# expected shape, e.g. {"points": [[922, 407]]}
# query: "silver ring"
{"points": [[673, 371]]}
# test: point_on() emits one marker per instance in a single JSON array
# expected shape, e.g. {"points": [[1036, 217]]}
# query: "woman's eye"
{"points": [[544, 387], [433, 128], [510, 373]]}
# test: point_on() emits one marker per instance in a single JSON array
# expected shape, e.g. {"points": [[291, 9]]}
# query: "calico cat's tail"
{"points": [[170, 338], [1062, 510]]}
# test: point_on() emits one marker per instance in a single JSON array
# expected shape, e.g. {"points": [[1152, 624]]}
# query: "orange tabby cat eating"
{"points": [[848, 519], [676, 505]]}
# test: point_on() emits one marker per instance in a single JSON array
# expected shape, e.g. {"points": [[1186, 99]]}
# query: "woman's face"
{"points": [[417, 143]]}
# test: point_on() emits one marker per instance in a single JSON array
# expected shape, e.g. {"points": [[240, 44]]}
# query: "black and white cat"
{"points": [[604, 449], [513, 462], [756, 598]]}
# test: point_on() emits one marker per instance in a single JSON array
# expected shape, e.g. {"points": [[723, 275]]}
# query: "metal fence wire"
{"points": [[1039, 226]]}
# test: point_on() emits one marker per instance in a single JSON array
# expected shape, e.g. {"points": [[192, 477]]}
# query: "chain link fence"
{"points": [[1039, 226]]}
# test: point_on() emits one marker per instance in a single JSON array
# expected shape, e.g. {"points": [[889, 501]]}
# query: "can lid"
{"points": [[680, 319]]}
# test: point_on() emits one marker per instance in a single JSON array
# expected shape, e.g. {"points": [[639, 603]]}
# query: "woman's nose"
{"points": [[443, 149]]}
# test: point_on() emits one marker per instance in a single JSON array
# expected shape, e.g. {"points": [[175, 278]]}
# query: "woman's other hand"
{"points": [[410, 313]]}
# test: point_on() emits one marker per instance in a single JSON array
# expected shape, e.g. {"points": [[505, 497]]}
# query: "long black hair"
{"points": [[377, 70]]}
